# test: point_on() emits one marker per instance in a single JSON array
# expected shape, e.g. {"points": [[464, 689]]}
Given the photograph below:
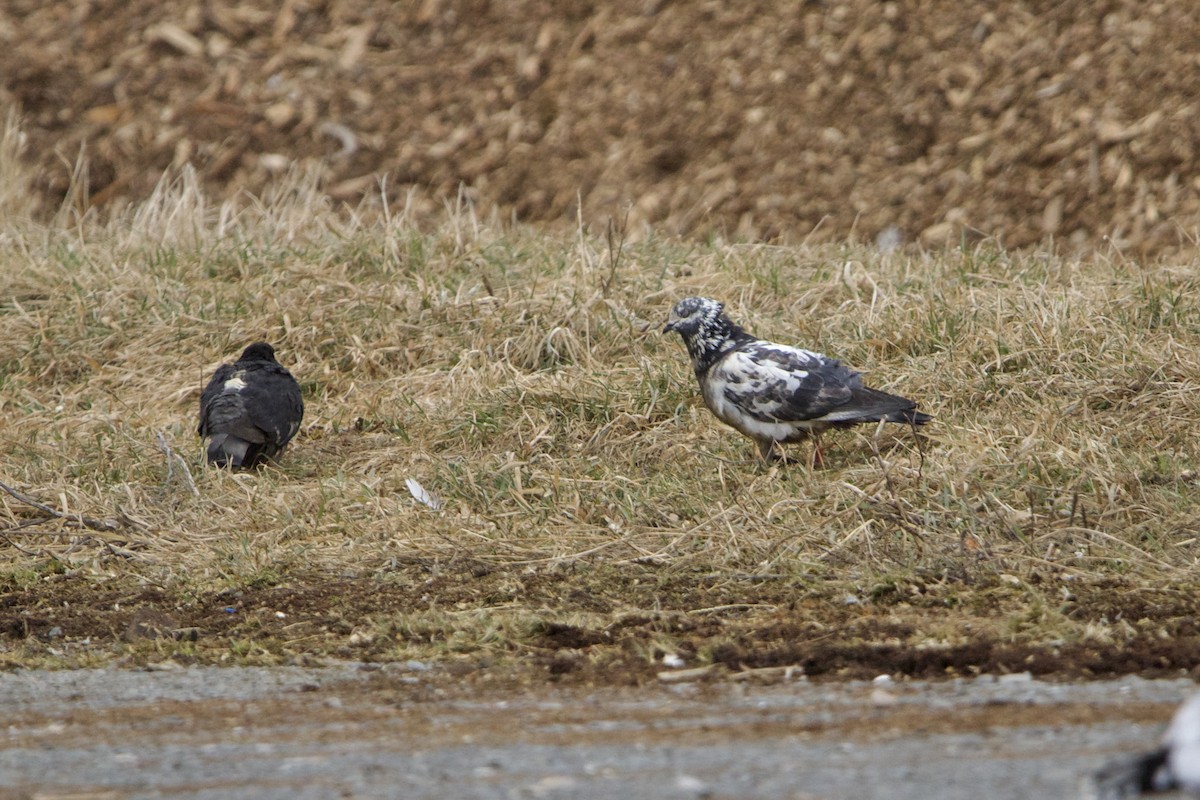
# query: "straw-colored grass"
{"points": [[521, 378]]}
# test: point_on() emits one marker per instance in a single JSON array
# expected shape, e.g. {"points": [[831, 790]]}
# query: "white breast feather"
{"points": [[751, 378]]}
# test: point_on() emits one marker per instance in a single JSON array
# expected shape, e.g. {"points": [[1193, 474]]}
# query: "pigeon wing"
{"points": [[273, 404], [776, 383], [208, 397]]}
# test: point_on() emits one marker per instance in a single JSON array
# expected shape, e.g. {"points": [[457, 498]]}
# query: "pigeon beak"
{"points": [[672, 325]]}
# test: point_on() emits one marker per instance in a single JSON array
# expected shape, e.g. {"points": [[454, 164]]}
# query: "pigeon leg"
{"points": [[818, 458], [772, 453]]}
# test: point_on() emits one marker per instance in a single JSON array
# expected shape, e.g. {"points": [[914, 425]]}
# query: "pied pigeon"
{"points": [[773, 393]]}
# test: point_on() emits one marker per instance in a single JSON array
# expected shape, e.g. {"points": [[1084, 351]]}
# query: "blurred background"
{"points": [[1065, 124]]}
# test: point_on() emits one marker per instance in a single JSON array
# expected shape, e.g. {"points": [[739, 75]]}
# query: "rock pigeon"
{"points": [[773, 393], [1174, 766], [250, 409]]}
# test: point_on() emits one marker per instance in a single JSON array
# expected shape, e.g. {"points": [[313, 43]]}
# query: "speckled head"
{"points": [[691, 314], [705, 329]]}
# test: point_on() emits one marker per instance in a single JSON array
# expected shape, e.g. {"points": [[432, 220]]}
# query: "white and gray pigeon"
{"points": [[250, 409], [773, 393], [1173, 767]]}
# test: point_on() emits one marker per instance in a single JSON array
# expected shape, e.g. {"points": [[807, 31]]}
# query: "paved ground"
{"points": [[356, 732]]}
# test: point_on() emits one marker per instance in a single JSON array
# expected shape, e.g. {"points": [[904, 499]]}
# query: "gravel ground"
{"points": [[354, 731]]}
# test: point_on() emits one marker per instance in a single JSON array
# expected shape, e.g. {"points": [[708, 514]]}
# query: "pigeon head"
{"points": [[259, 351], [691, 313], [705, 329]]}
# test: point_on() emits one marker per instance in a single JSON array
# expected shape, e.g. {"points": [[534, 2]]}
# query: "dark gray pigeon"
{"points": [[773, 393], [1173, 767], [250, 409]]}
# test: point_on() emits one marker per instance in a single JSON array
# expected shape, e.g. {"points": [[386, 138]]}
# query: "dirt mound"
{"points": [[761, 120]]}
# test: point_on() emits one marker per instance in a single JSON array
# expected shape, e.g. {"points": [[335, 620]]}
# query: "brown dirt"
{"points": [[762, 120], [315, 617]]}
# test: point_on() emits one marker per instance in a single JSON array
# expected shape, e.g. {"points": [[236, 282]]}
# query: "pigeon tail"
{"points": [[225, 450], [909, 416], [915, 418], [872, 405]]}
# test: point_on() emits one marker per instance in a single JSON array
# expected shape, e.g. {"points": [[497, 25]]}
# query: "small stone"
{"points": [[1016, 677], [274, 162], [889, 239], [552, 784], [361, 637], [693, 786], [684, 675], [279, 114]]}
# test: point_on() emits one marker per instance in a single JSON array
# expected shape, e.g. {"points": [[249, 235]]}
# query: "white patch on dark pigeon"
{"points": [[773, 393], [250, 409]]}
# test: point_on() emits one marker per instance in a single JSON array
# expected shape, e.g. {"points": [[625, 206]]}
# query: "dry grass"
{"points": [[522, 380]]}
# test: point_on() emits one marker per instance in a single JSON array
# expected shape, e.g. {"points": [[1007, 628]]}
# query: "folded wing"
{"points": [[273, 405], [776, 383]]}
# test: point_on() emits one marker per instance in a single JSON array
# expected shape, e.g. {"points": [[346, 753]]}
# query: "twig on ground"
{"points": [[29, 523], [174, 458], [883, 466], [13, 544], [920, 448], [79, 519], [732, 607]]}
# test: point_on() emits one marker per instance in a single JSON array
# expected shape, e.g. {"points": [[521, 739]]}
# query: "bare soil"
{"points": [[921, 122], [314, 618]]}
